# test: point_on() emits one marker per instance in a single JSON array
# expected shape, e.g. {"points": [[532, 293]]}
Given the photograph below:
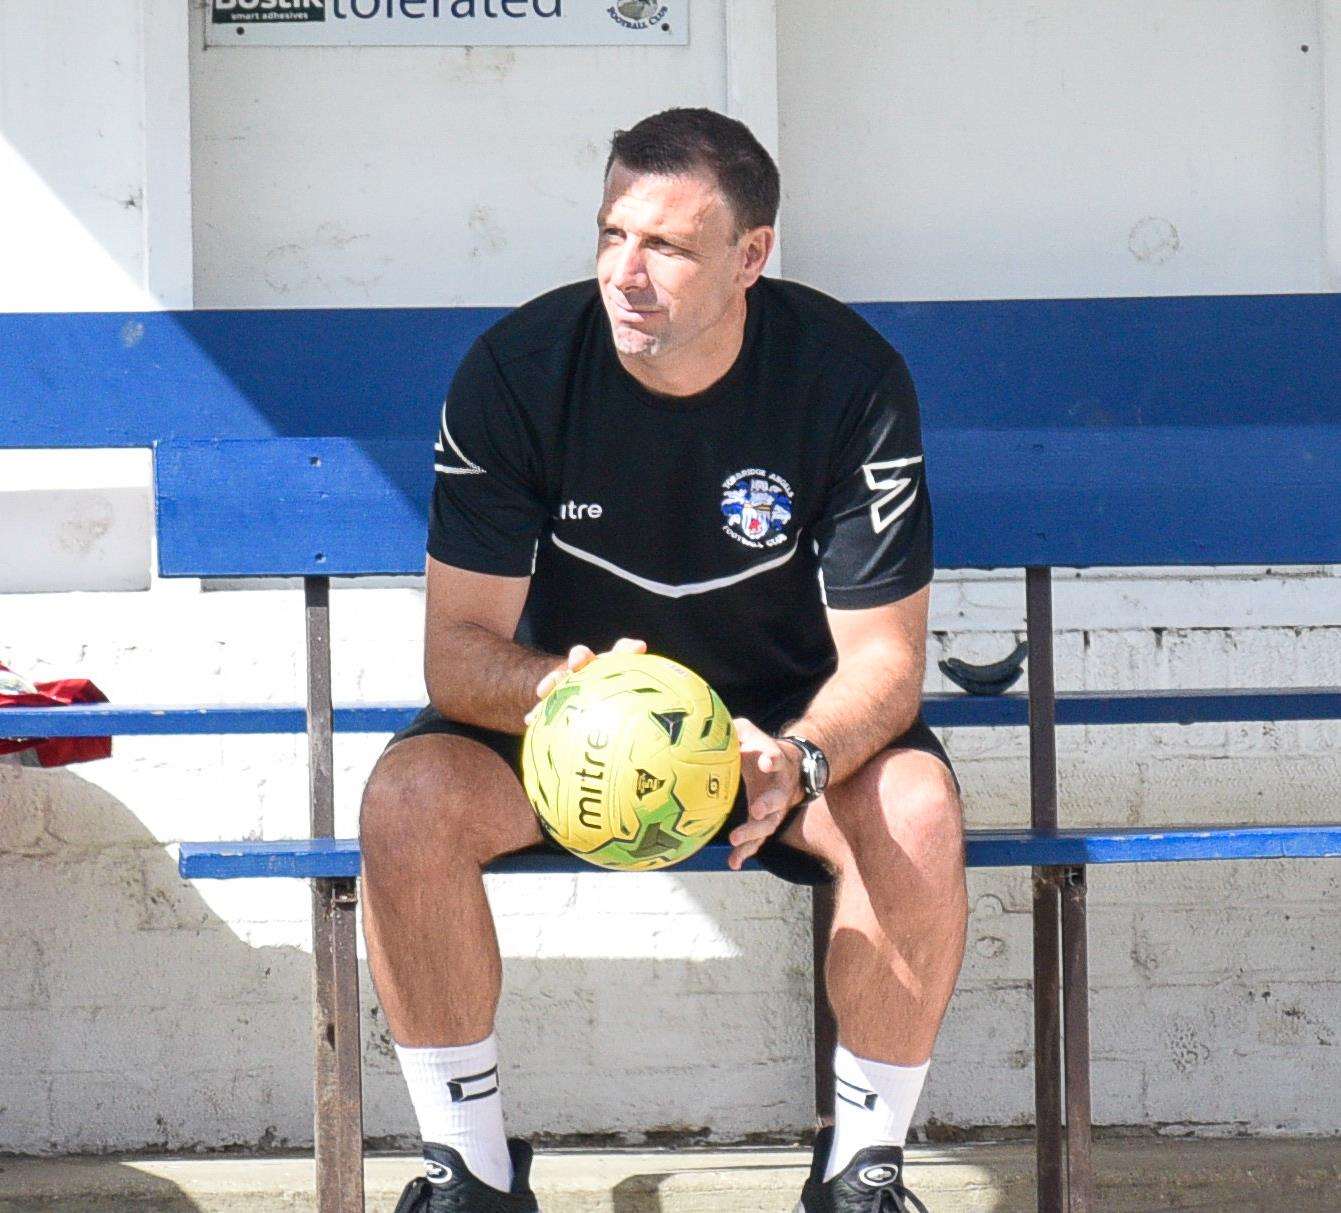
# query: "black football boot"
{"points": [[449, 1187], [871, 1183]]}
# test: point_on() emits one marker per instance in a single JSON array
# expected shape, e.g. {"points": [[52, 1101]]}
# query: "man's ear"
{"points": [[755, 246]]}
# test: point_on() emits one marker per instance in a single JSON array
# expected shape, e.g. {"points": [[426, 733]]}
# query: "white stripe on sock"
{"points": [[874, 1105], [455, 1095]]}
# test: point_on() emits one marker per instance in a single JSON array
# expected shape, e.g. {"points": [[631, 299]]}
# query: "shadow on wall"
{"points": [[133, 1016]]}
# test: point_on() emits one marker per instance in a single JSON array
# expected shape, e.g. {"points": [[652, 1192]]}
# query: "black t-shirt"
{"points": [[716, 526]]}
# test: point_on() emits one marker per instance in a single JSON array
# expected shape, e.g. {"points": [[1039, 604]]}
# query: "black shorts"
{"points": [[774, 856]]}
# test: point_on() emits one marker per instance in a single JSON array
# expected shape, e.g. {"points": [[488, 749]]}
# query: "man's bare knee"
{"points": [[925, 815], [901, 821], [906, 799], [442, 797]]}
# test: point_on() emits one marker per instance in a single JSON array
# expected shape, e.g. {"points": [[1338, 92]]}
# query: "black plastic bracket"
{"points": [[993, 679]]}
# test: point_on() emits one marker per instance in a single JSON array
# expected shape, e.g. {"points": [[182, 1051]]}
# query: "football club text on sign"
{"points": [[447, 23]]}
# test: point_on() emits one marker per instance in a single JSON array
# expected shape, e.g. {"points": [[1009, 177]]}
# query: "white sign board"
{"points": [[447, 23]]}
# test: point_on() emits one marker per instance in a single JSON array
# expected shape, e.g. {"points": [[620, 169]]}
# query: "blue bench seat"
{"points": [[336, 858], [941, 710]]}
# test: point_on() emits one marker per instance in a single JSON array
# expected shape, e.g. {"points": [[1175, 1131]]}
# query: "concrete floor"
{"points": [[1136, 1175]]}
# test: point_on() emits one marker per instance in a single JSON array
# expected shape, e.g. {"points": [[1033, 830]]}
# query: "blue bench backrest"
{"points": [[1065, 432], [292, 506], [1161, 495], [120, 379]]}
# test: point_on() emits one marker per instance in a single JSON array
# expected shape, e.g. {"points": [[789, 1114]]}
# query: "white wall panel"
{"points": [[1330, 16], [94, 215], [78, 219], [75, 520], [998, 149], [424, 176]]}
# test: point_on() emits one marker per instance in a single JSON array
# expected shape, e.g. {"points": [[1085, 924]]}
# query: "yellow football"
{"points": [[632, 762]]}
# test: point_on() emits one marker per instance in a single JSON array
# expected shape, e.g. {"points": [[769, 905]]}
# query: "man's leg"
{"points": [[436, 810], [893, 836]]}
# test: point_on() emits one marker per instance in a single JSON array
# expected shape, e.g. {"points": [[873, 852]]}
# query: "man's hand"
{"points": [[578, 656], [771, 770]]}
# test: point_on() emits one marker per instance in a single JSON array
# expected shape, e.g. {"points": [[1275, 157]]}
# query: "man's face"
{"points": [[668, 260]]}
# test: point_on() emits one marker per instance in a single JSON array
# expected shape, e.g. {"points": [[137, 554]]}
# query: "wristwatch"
{"points": [[814, 767]]}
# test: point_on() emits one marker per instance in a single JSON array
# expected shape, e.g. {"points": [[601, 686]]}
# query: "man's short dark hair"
{"points": [[678, 141]]}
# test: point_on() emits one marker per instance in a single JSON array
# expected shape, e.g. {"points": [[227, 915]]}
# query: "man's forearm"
{"points": [[861, 707], [477, 677]]}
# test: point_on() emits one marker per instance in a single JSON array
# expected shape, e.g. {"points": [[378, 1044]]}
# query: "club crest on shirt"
{"points": [[757, 506]]}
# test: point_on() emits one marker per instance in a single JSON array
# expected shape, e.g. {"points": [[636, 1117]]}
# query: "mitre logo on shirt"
{"points": [[577, 510], [757, 506]]}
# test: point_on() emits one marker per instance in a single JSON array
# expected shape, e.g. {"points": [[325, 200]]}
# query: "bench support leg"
{"points": [[1065, 1166], [338, 1119], [1048, 1043], [1076, 1014], [339, 1084], [826, 1027], [1047, 943]]}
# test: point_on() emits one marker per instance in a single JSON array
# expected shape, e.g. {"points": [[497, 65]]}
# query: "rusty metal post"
{"points": [[338, 1117], [826, 1027], [1047, 953], [1076, 1010], [1049, 1144]]}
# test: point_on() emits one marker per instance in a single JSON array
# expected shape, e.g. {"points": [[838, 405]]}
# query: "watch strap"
{"points": [[813, 761]]}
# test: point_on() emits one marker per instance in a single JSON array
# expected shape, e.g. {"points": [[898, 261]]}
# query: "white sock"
{"points": [[455, 1095], [874, 1105]]}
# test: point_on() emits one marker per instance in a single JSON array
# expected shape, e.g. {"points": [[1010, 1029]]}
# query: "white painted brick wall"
{"points": [[137, 1011]]}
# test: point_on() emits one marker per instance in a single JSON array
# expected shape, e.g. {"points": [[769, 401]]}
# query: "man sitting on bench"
{"points": [[729, 468]]}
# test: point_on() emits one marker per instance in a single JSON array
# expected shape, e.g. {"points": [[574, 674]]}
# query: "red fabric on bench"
{"points": [[56, 751]]}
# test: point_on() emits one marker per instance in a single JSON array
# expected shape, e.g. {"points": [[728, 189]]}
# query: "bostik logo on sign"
{"points": [[229, 12]]}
